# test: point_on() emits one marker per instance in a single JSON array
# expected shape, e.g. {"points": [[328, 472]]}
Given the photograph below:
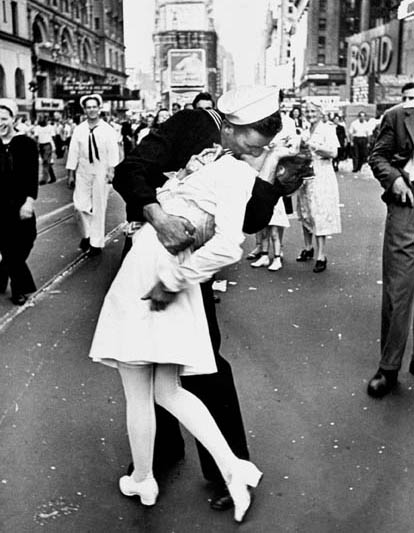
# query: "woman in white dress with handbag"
{"points": [[152, 349], [318, 196]]}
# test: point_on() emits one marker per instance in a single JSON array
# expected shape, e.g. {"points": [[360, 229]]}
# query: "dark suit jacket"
{"points": [[393, 147]]}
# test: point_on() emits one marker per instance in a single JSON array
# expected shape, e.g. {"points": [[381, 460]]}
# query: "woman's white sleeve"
{"points": [[224, 248]]}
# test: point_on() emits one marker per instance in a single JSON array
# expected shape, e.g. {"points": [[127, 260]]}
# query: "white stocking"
{"points": [[193, 415], [139, 394]]}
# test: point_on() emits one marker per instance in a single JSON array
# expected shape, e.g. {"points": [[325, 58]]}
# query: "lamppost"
{"points": [[33, 84]]}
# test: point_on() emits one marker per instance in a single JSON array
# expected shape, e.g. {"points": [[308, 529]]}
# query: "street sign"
{"points": [[49, 104], [77, 88]]}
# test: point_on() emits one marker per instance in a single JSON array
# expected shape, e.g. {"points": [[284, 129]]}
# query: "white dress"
{"points": [[318, 197], [214, 200]]}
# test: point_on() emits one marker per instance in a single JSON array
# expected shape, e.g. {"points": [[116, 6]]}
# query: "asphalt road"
{"points": [[302, 347]]}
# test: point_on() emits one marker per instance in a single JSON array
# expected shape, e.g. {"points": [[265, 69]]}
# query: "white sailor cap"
{"points": [[249, 103], [87, 97], [10, 105]]}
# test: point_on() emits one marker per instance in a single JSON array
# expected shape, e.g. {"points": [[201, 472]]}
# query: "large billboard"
{"points": [[187, 67]]}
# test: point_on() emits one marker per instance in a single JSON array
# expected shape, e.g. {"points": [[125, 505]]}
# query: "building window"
{"points": [[97, 23], [2, 83], [4, 11], [19, 83], [322, 6], [15, 18], [322, 24], [321, 41], [321, 59]]}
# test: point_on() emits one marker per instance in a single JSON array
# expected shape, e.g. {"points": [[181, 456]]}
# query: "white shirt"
{"points": [[107, 143], [44, 134], [359, 129]]}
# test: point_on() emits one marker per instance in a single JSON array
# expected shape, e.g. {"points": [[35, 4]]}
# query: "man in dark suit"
{"points": [[185, 134], [392, 161]]}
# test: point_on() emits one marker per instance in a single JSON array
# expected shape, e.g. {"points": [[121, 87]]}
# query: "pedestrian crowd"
{"points": [[194, 182]]}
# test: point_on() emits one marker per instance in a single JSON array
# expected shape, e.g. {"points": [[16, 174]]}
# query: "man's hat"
{"points": [[87, 97], [10, 105], [249, 103]]}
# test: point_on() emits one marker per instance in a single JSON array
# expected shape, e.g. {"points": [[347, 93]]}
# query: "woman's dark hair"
{"points": [[269, 126], [42, 122]]}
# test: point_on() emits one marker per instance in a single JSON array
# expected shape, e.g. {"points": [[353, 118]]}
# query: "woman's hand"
{"points": [[160, 297]]}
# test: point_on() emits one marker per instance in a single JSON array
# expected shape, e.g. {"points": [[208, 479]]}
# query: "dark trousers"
{"points": [[217, 391], [15, 246], [359, 152], [398, 285]]}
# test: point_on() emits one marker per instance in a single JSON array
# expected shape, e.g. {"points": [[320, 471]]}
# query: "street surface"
{"points": [[302, 347]]}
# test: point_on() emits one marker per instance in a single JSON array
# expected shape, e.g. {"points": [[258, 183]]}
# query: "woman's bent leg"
{"points": [[138, 383], [194, 415]]}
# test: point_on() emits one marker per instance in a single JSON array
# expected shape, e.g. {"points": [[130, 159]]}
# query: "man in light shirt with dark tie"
{"points": [[93, 155]]}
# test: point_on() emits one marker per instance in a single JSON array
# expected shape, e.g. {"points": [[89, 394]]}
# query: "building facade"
{"points": [[279, 63], [77, 46], [185, 47], [15, 53]]}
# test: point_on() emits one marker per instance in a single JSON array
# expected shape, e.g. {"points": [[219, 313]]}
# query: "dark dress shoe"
{"points": [[382, 383], [320, 265], [19, 299], [84, 244], [222, 501], [94, 251], [305, 255]]}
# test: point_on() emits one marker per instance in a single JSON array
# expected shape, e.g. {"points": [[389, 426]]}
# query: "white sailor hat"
{"points": [[87, 97], [249, 103], [10, 105]]}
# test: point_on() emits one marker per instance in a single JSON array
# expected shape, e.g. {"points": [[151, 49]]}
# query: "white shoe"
{"points": [[147, 489], [245, 475], [276, 264], [263, 261]]}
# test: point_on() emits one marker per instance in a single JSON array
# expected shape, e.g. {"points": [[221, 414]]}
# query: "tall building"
{"points": [[15, 53], [278, 60], [185, 46], [78, 46], [327, 24]]}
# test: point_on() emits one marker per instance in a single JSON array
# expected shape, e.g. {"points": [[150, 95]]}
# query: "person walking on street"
{"points": [[318, 197], [186, 134], [359, 132], [19, 169], [92, 157], [392, 162], [44, 134]]}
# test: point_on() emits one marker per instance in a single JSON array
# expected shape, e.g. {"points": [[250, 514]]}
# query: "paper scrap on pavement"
{"points": [[220, 285]]}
